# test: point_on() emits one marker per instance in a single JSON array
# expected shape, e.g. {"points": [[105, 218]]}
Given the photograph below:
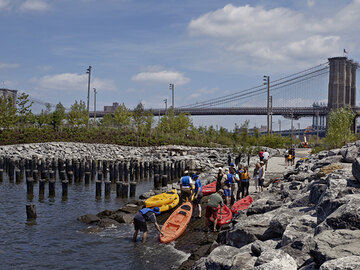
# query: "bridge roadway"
{"points": [[288, 112]]}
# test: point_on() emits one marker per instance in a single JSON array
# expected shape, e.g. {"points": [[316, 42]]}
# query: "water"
{"points": [[56, 240]]}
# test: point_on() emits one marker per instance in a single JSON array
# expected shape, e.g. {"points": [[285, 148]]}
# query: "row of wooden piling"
{"points": [[123, 173]]}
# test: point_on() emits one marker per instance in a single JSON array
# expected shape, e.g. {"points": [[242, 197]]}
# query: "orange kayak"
{"points": [[176, 224]]}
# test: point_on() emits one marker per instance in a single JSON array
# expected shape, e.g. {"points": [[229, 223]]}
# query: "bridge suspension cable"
{"points": [[286, 81]]}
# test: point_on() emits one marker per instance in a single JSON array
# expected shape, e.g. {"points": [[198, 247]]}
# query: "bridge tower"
{"points": [[342, 82]]}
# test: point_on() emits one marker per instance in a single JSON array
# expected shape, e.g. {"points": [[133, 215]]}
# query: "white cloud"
{"points": [[247, 36], [34, 5], [4, 3], [310, 3], [8, 65], [73, 82], [160, 77]]}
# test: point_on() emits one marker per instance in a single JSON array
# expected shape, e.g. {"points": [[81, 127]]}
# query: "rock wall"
{"points": [[309, 220]]}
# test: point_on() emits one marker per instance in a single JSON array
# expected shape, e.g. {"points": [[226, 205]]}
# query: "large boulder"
{"points": [[350, 154], [356, 169], [262, 206], [275, 260], [89, 218], [345, 263], [331, 245], [347, 216]]}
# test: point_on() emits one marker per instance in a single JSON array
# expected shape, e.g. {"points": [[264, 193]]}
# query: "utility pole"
{"points": [[88, 71], [172, 95], [266, 80], [165, 100], [292, 124], [271, 114], [95, 106]]}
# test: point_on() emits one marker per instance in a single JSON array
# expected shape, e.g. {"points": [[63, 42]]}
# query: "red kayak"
{"points": [[209, 188], [242, 204], [226, 216]]}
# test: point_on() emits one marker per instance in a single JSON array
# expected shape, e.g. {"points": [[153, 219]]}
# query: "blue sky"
{"points": [[207, 48]]}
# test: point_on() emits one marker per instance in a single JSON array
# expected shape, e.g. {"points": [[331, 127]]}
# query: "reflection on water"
{"points": [[56, 240]]}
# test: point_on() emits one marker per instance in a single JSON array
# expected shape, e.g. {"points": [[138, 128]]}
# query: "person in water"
{"points": [[186, 185], [197, 194], [145, 214]]}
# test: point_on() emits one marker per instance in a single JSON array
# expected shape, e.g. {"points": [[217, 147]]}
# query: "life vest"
{"points": [[185, 181], [229, 179], [244, 176], [146, 210], [290, 157]]}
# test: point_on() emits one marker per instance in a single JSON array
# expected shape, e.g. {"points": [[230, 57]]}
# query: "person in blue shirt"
{"points": [[145, 214], [198, 193], [186, 186]]}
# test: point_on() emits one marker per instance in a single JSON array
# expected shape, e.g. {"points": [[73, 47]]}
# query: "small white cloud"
{"points": [[73, 82], [35, 5], [310, 3], [161, 77], [8, 65]]}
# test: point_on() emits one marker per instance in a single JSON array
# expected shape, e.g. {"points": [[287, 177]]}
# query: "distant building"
{"points": [[111, 108], [4, 93]]}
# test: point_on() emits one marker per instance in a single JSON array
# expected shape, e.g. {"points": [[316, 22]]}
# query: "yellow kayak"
{"points": [[162, 199], [166, 207]]}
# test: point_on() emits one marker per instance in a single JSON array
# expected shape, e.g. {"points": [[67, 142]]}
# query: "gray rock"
{"points": [[356, 169], [108, 223], [345, 263], [331, 245], [262, 206], [350, 154], [275, 259], [221, 257], [89, 218]]}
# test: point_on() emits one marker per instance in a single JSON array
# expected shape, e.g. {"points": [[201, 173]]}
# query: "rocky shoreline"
{"points": [[309, 220]]}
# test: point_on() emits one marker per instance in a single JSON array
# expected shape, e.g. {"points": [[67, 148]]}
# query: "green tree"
{"points": [[78, 114], [122, 117], [107, 120], [24, 108], [8, 115], [44, 118], [57, 116], [138, 117], [149, 121], [339, 127]]}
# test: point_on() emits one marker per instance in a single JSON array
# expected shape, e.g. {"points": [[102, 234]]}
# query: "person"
{"points": [[198, 193], [286, 155], [261, 176], [266, 158], [211, 210], [145, 214], [219, 177], [245, 182], [227, 181], [186, 185], [292, 155], [256, 176], [261, 155], [234, 186], [237, 179]]}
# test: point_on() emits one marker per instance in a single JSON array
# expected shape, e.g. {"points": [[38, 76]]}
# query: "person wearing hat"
{"points": [[215, 200], [145, 214], [197, 193], [227, 181], [186, 185]]}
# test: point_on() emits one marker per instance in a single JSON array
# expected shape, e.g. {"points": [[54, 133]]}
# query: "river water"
{"points": [[56, 240]]}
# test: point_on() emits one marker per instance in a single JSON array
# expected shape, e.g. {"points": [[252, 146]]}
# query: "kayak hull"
{"points": [[167, 207], [226, 216], [177, 222], [161, 199], [209, 188], [242, 204]]}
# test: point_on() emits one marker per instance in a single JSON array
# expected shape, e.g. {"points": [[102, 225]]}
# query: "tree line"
{"points": [[139, 127]]}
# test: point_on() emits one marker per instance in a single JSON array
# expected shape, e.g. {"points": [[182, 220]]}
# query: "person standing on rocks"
{"points": [[219, 177], [286, 155], [145, 214], [261, 176], [266, 156], [256, 176], [261, 155], [245, 182], [292, 153], [237, 179], [198, 193], [227, 182], [215, 200], [186, 185]]}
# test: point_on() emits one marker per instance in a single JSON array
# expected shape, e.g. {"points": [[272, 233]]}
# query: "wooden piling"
{"points": [[98, 184], [132, 189], [65, 189], [19, 176], [157, 182], [87, 177], [100, 176], [51, 188], [125, 190], [118, 189], [30, 186], [107, 188], [1, 175], [164, 180], [70, 176], [31, 211], [41, 188]]}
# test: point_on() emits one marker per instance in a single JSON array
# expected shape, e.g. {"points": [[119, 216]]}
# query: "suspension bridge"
{"points": [[312, 92]]}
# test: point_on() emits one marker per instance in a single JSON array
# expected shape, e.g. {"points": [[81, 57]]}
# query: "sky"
{"points": [[206, 48]]}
